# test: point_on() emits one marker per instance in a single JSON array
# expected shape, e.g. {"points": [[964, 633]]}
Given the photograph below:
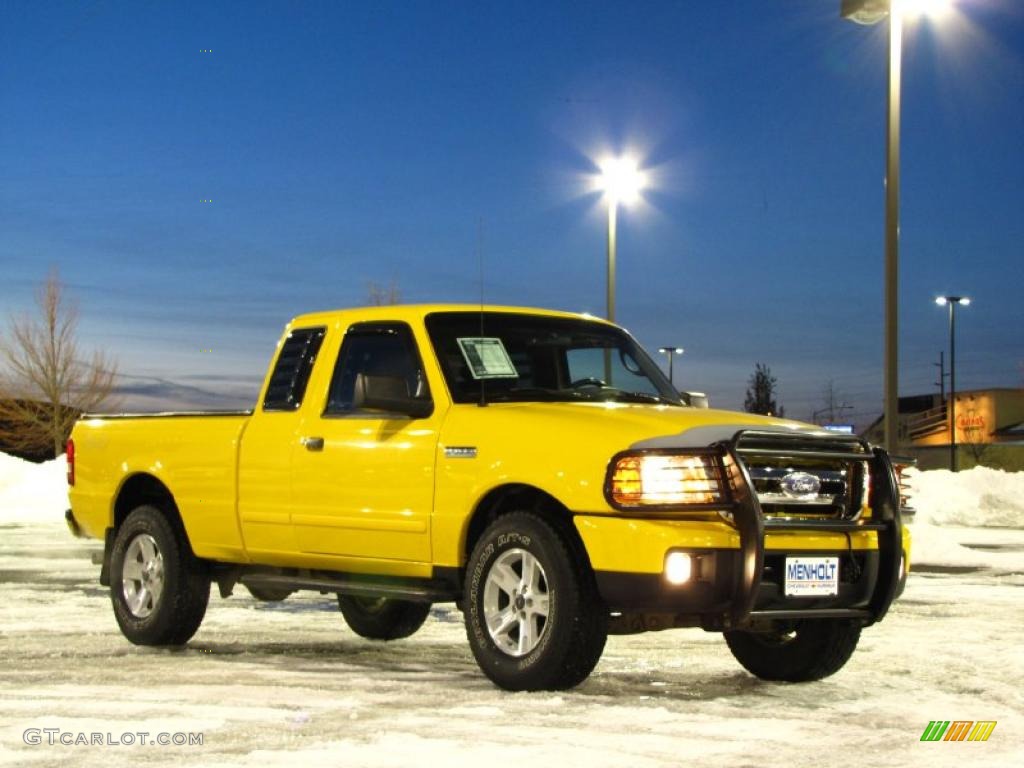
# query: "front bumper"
{"points": [[738, 573], [707, 599]]}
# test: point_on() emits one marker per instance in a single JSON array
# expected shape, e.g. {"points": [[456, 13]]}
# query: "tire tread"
{"points": [[186, 591], [397, 619], [588, 619], [821, 648]]}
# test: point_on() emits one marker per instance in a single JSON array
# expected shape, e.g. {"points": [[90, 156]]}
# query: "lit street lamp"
{"points": [[621, 182], [671, 352], [872, 12], [952, 302]]}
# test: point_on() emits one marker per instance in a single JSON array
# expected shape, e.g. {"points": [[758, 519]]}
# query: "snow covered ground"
{"points": [[288, 684]]}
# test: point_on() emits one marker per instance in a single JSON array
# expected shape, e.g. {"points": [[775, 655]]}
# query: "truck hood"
{"points": [[640, 426]]}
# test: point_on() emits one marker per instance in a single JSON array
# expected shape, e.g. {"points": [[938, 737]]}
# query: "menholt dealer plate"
{"points": [[812, 576]]}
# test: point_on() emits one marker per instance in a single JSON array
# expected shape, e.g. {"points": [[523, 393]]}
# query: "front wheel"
{"points": [[533, 616], [158, 588], [796, 651], [381, 618]]}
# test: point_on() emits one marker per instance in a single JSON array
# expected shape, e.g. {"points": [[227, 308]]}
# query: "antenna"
{"points": [[480, 264]]}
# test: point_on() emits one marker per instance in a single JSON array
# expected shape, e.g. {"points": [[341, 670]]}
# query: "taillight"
{"points": [[69, 453]]}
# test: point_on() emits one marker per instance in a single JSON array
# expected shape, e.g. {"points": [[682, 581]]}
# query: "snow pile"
{"points": [[969, 519], [979, 497], [32, 492]]}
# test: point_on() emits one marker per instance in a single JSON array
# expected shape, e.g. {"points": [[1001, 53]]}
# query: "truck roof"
{"points": [[417, 312]]}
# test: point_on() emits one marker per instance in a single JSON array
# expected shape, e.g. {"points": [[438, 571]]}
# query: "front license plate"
{"points": [[812, 576]]}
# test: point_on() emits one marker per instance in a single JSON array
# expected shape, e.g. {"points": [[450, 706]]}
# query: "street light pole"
{"points": [[892, 235], [671, 352], [952, 387], [872, 12], [952, 302], [613, 209], [621, 181]]}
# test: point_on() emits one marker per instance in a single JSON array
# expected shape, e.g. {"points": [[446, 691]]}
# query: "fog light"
{"points": [[678, 568]]}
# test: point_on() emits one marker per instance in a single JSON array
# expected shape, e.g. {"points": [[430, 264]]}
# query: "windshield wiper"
{"points": [[525, 394], [546, 395]]}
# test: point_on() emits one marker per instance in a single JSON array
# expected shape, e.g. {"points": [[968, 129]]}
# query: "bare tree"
{"points": [[974, 436], [44, 385], [379, 295]]}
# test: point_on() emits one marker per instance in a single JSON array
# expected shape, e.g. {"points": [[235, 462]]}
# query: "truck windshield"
{"points": [[520, 358]]}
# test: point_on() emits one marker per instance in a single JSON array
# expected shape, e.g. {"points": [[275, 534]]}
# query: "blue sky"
{"points": [[342, 143]]}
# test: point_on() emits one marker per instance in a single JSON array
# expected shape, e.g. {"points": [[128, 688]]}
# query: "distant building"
{"points": [[989, 428]]}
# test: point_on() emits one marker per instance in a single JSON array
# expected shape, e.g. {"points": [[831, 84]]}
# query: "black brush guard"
{"points": [[752, 524]]}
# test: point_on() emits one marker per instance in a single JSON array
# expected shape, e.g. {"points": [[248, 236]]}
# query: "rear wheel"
{"points": [[380, 618], [533, 616], [158, 588], [269, 594], [796, 651]]}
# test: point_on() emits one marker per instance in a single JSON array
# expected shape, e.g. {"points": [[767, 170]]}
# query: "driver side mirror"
{"points": [[695, 399]]}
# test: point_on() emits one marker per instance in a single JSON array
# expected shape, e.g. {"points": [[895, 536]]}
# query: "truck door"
{"points": [[363, 481], [264, 460]]}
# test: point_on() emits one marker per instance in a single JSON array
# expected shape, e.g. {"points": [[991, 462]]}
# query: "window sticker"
{"points": [[487, 359]]}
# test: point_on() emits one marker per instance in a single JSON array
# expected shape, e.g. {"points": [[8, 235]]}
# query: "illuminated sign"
{"points": [[846, 429]]}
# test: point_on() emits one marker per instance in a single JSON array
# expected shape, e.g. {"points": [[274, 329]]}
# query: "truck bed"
{"points": [[196, 453]]}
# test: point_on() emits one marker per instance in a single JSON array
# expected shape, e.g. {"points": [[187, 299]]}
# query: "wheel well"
{"points": [[517, 497], [144, 489]]}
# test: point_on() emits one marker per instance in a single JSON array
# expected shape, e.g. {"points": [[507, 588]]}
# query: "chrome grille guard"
{"points": [[752, 524]]}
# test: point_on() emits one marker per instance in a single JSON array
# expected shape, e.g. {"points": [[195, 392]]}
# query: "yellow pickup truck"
{"points": [[536, 468]]}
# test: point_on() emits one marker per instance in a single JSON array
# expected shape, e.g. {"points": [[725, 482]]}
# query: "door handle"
{"points": [[313, 443]]}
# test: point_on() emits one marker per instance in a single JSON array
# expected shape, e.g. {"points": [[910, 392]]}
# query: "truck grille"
{"points": [[806, 476]]}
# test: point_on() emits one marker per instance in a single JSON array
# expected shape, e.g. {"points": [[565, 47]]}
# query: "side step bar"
{"points": [[414, 590]]}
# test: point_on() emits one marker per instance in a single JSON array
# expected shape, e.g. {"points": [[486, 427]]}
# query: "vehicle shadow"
{"points": [[425, 662], [451, 664], [659, 686]]}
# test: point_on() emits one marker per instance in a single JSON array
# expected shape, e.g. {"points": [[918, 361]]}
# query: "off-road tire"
{"points": [[382, 618], [801, 651], [172, 616], [575, 627]]}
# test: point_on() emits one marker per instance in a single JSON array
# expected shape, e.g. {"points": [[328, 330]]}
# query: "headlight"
{"points": [[664, 480]]}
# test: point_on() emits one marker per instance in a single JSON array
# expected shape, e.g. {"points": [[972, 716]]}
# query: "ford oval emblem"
{"points": [[801, 485]]}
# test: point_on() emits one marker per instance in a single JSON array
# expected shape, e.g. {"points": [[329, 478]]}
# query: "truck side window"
{"points": [[291, 371], [378, 355]]}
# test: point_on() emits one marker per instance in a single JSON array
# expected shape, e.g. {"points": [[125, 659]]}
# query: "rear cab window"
{"points": [[292, 368]]}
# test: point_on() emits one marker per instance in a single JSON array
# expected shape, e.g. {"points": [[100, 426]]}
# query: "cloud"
{"points": [[151, 394]]}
